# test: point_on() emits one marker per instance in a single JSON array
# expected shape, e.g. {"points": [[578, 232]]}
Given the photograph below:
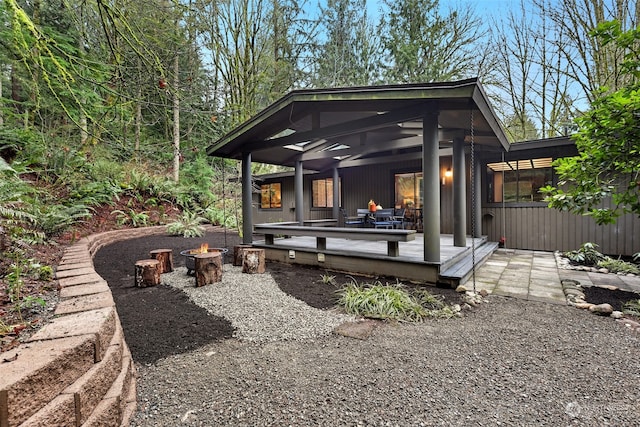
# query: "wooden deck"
{"points": [[370, 257]]}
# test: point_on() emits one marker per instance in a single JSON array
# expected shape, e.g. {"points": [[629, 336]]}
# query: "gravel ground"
{"points": [[509, 362]]}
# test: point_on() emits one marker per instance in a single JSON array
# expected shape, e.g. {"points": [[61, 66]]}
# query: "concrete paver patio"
{"points": [[534, 275]]}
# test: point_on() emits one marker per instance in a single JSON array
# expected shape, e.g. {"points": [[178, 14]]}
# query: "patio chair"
{"points": [[397, 220], [352, 221], [383, 218]]}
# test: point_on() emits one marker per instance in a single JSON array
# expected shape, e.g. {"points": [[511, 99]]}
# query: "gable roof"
{"points": [[362, 125]]}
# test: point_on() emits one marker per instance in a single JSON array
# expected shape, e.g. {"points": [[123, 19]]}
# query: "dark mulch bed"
{"points": [[617, 298], [161, 321]]}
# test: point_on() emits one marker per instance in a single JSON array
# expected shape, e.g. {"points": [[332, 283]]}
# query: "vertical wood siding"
{"points": [[534, 228], [541, 228]]}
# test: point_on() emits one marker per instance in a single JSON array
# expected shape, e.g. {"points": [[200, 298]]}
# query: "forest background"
{"points": [[107, 107]]}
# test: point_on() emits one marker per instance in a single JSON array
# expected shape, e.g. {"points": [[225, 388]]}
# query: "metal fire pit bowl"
{"points": [[190, 257]]}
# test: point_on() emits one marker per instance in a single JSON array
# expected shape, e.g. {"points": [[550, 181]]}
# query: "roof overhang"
{"points": [[345, 127]]}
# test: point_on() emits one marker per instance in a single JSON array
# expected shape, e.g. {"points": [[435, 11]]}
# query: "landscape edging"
{"points": [[77, 369]]}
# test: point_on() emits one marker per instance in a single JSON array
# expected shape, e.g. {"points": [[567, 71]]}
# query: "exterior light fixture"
{"points": [[447, 174]]}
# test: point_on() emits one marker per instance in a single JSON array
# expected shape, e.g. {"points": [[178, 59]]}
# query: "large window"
{"points": [[322, 193], [408, 187], [518, 180], [271, 196]]}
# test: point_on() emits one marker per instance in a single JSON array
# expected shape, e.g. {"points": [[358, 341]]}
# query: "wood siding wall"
{"points": [[541, 228], [534, 227]]}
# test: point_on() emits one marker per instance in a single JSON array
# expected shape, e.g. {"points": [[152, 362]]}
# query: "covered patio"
{"points": [[331, 131], [370, 257]]}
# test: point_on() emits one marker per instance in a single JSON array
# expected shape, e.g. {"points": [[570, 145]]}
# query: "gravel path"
{"points": [[509, 362], [256, 307]]}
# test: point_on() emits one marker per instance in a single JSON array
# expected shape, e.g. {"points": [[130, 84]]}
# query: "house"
{"points": [[434, 149]]}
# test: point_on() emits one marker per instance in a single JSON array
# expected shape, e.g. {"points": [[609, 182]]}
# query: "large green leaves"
{"points": [[608, 142]]}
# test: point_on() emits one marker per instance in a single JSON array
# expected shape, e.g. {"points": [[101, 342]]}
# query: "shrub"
{"points": [[381, 302], [618, 266], [586, 255], [393, 302]]}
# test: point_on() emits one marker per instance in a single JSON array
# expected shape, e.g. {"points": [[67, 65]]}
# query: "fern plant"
{"points": [[632, 308], [131, 217], [57, 218], [188, 225]]}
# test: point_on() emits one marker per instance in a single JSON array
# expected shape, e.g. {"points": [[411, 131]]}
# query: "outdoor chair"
{"points": [[383, 218], [352, 221], [397, 220]]}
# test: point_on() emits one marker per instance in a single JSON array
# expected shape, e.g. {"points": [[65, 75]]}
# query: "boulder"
{"points": [[601, 309]]}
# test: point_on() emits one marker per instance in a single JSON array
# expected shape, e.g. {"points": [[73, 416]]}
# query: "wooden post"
{"points": [[147, 273], [238, 253], [165, 256], [208, 268], [253, 261]]}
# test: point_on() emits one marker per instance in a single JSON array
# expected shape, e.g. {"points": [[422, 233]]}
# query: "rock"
{"points": [[461, 289], [617, 315], [361, 330], [603, 270], [573, 291], [602, 309], [583, 305], [483, 293]]}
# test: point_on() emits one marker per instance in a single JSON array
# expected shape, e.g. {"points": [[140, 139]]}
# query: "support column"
{"points": [[298, 188], [431, 187], [477, 187], [247, 200], [459, 194], [336, 194]]}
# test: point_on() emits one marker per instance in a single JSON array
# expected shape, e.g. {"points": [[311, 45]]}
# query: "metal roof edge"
{"points": [[542, 143], [481, 100]]}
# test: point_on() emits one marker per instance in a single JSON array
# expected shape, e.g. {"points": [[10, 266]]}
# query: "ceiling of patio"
{"points": [[347, 127]]}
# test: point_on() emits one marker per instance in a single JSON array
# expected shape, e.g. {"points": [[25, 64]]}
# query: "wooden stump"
{"points": [[253, 261], [147, 273], [238, 253], [165, 256], [208, 268]]}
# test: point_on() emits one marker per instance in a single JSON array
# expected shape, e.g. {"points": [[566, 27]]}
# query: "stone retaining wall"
{"points": [[77, 370]]}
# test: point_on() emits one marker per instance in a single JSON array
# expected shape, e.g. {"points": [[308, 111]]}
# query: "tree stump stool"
{"points": [[238, 253], [253, 261], [165, 256], [147, 273], [208, 268]]}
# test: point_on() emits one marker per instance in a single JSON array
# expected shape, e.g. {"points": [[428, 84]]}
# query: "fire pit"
{"points": [[190, 254]]}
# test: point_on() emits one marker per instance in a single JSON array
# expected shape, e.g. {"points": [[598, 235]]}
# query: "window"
{"points": [[408, 187], [322, 193], [270, 196], [519, 180]]}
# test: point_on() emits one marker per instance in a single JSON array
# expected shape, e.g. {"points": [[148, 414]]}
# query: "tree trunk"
{"points": [[253, 261], [165, 256], [176, 120], [208, 268], [238, 254], [147, 273]]}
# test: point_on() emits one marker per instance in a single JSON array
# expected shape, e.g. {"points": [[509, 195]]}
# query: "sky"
{"points": [[485, 8]]}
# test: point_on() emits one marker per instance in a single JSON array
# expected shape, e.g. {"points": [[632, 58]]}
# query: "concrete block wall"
{"points": [[77, 370]]}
